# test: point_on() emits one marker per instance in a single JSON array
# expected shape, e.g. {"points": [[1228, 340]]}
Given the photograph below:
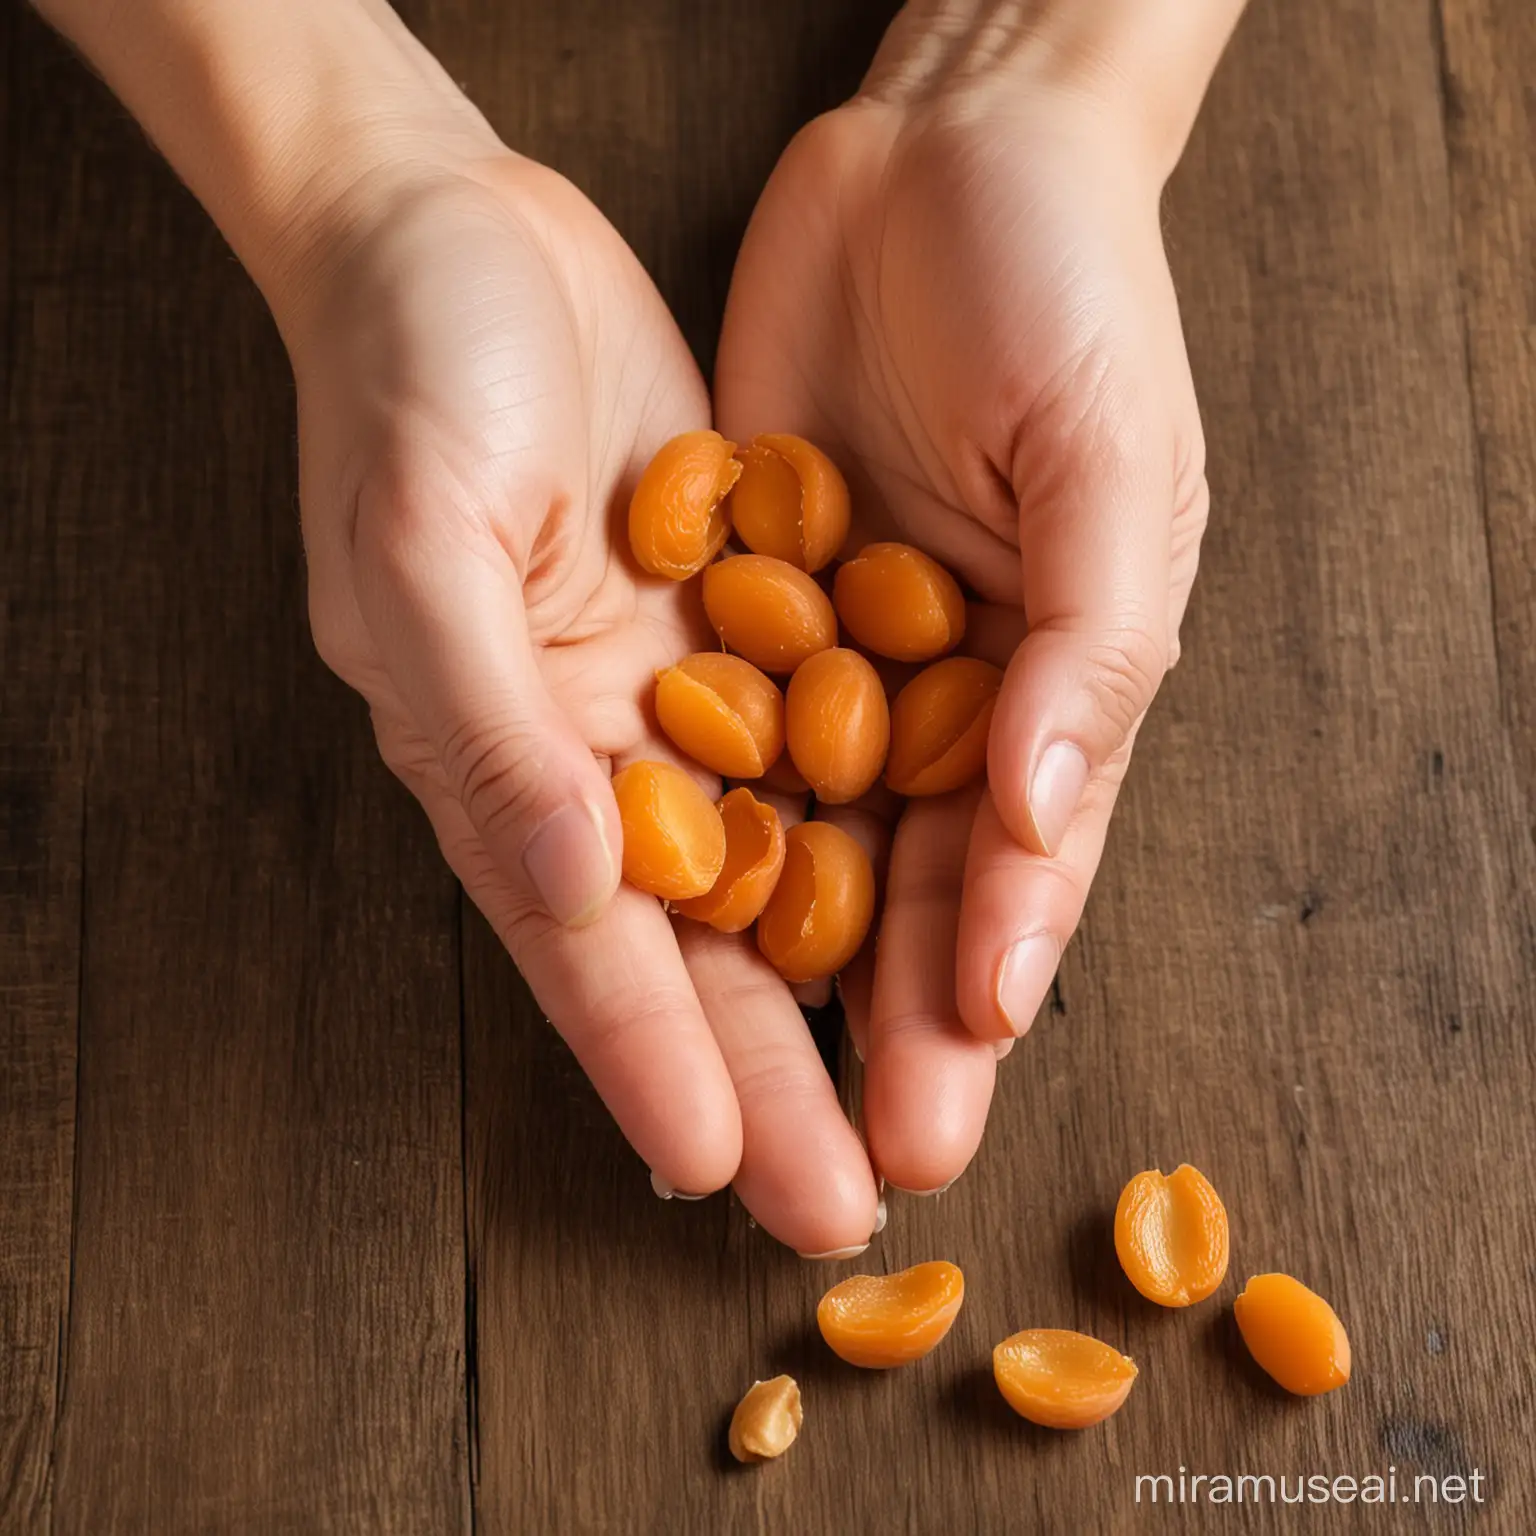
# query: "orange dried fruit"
{"points": [[898, 602], [837, 724], [677, 520], [877, 1321], [1171, 1236], [768, 611], [1061, 1379], [939, 726], [784, 778], [791, 501], [722, 712], [766, 1420], [1293, 1334], [754, 855], [822, 906], [674, 840]]}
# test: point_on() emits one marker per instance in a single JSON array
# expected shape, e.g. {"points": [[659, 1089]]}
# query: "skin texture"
{"points": [[470, 437]]}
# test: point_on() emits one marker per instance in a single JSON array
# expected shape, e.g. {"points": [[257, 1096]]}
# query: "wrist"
{"points": [[1139, 67], [296, 123]]}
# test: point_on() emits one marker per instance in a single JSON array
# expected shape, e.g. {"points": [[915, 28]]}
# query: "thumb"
{"points": [[443, 603], [1095, 541]]}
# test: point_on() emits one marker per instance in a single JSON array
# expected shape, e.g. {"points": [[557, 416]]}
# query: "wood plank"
{"points": [[1488, 59], [42, 783], [266, 1330]]}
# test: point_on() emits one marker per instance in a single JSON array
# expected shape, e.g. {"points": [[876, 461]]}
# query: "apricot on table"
{"points": [[754, 855], [898, 602], [1293, 1334], [822, 906], [837, 724], [766, 1420], [791, 501], [1061, 1379], [674, 839], [677, 520], [939, 726], [768, 611], [723, 713], [1171, 1236], [878, 1321]]}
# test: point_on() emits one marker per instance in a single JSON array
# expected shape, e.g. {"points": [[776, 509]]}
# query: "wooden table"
{"points": [[308, 1223]]}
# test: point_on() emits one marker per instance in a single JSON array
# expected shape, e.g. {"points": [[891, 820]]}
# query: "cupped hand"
{"points": [[482, 374], [956, 285]]}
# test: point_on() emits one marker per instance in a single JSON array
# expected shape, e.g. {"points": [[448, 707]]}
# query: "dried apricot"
{"points": [[939, 726], [1061, 1379], [766, 1420], [897, 601], [784, 778], [878, 1321], [722, 712], [1171, 1235], [754, 855], [674, 840], [791, 501], [1293, 1334], [677, 521], [768, 611], [837, 724], [822, 906]]}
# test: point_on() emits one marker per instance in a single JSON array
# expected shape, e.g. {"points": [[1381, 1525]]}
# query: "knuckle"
{"points": [[495, 771], [1125, 669]]}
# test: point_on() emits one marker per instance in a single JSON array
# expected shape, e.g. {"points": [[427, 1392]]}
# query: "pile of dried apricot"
{"points": [[1172, 1240], [829, 730]]}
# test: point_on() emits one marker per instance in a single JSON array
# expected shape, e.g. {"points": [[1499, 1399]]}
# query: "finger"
{"points": [[927, 1080], [1020, 908], [804, 1174], [617, 991], [443, 604], [1095, 541]]}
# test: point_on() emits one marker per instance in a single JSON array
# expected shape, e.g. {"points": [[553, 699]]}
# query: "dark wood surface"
{"points": [[307, 1222]]}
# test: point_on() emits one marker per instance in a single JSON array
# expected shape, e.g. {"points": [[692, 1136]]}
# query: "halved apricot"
{"points": [[784, 778], [822, 906], [939, 726], [837, 724], [1061, 1379], [754, 855], [1171, 1236], [1293, 1334], [895, 600], [677, 523], [768, 611], [878, 1321], [791, 501], [674, 840], [722, 712]]}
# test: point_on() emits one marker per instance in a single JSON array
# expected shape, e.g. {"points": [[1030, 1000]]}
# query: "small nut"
{"points": [[766, 1420]]}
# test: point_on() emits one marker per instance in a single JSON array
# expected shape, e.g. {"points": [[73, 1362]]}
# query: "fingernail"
{"points": [[837, 1253], [1060, 779], [670, 1191], [880, 1217], [924, 1193], [1000, 1048], [570, 865], [1024, 978]]}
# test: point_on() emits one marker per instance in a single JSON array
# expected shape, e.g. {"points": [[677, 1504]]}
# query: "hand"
{"points": [[481, 378], [956, 285]]}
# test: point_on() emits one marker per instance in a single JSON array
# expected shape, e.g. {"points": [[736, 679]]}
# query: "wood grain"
{"points": [[339, 1238]]}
